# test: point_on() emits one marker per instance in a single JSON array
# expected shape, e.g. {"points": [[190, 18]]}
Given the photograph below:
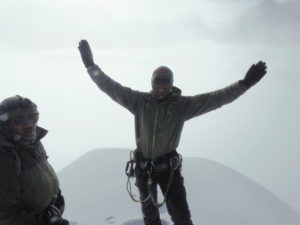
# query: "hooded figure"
{"points": [[159, 119], [29, 188]]}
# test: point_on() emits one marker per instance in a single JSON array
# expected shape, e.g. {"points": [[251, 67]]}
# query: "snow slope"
{"points": [[94, 188], [269, 23]]}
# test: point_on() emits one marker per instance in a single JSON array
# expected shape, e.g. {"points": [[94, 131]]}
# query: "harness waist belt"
{"points": [[173, 163]]}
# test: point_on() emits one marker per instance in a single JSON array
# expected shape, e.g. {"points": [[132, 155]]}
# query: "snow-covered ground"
{"points": [[94, 188]]}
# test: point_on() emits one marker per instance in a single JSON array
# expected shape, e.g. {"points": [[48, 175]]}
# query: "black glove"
{"points": [[53, 216], [254, 74], [86, 53], [61, 221], [59, 202]]}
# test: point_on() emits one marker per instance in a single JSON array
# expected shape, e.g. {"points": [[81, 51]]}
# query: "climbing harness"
{"points": [[152, 166], [129, 171]]}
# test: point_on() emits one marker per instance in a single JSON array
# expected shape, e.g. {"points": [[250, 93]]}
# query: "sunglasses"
{"points": [[162, 80]]}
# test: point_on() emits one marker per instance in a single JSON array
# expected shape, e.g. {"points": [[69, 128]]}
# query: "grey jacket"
{"points": [[158, 124], [27, 181]]}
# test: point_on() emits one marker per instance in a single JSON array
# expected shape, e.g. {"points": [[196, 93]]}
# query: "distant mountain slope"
{"points": [[269, 23], [94, 188]]}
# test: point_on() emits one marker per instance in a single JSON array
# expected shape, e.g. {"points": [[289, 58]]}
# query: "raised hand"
{"points": [[86, 53], [254, 74]]}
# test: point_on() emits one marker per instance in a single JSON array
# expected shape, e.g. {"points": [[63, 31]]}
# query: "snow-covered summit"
{"points": [[94, 188]]}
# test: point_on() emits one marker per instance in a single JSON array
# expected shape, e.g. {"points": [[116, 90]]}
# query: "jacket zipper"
{"points": [[154, 133]]}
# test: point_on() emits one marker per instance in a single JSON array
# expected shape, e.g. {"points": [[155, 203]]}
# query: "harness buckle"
{"points": [[153, 163]]}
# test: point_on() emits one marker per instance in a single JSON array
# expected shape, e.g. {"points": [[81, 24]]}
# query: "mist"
{"points": [[207, 44]]}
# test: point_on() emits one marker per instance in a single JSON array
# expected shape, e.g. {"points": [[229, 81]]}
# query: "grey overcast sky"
{"points": [[207, 43]]}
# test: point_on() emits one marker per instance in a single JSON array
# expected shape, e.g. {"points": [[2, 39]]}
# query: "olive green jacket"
{"points": [[158, 124], [27, 181]]}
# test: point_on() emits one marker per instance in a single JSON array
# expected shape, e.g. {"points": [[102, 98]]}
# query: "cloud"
{"points": [[37, 25], [269, 23]]}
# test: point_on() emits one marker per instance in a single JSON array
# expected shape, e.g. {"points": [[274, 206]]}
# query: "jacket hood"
{"points": [[175, 92], [172, 96]]}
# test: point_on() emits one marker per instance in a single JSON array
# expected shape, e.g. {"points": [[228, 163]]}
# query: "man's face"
{"points": [[160, 91], [24, 125], [161, 85]]}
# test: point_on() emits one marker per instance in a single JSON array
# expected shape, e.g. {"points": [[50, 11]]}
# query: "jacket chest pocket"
{"points": [[170, 111], [31, 158], [167, 113]]}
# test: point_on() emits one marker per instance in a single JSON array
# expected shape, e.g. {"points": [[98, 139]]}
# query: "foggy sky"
{"points": [[200, 41]]}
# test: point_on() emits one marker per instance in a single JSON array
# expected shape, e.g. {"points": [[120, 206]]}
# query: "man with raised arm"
{"points": [[159, 118]]}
